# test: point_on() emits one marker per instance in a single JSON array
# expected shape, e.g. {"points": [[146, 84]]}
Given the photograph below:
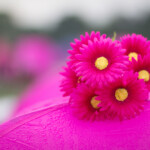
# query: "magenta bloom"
{"points": [[142, 67], [83, 41], [69, 82], [135, 45], [101, 62], [123, 98], [33, 55], [84, 103]]}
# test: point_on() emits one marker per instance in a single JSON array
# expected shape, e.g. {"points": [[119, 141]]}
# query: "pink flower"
{"points": [[142, 67], [33, 55], [84, 103], [124, 98], [100, 62], [69, 82], [83, 41], [135, 45]]}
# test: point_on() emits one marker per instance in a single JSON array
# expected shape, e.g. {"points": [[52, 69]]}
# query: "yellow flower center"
{"points": [[95, 103], [79, 80], [101, 63], [143, 74], [134, 55], [121, 94]]}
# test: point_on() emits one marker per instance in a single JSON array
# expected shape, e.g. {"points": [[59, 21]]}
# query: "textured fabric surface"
{"points": [[56, 128]]}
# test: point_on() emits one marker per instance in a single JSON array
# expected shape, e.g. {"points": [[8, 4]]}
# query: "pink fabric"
{"points": [[56, 128], [44, 88]]}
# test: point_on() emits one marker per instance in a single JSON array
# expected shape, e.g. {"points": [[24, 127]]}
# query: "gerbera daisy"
{"points": [[84, 103], [123, 98], [101, 62], [135, 45], [142, 66], [69, 81], [83, 41]]}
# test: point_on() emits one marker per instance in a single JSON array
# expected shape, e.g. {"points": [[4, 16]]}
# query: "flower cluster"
{"points": [[106, 78]]}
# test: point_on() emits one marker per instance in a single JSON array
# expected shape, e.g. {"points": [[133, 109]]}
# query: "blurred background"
{"points": [[36, 34]]}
